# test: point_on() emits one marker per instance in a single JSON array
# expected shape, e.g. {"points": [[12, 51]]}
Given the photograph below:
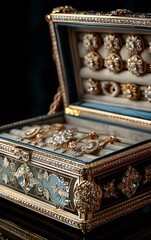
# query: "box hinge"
{"points": [[72, 111]]}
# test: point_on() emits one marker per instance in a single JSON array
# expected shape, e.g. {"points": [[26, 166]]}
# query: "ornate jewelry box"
{"points": [[90, 163]]}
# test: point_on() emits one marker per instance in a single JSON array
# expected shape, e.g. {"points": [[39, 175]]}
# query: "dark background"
{"points": [[28, 74]]}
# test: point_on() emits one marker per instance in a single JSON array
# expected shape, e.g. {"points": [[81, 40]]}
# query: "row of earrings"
{"points": [[130, 91]]}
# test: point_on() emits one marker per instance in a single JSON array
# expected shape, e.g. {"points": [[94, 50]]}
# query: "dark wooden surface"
{"points": [[134, 226]]}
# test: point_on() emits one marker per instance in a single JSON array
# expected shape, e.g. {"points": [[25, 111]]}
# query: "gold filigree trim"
{"points": [[41, 207], [87, 197], [115, 212]]}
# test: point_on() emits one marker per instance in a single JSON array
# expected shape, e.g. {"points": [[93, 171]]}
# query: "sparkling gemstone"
{"points": [[23, 179]]}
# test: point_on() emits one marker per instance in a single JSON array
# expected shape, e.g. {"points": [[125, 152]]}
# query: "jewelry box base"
{"points": [[82, 192]]}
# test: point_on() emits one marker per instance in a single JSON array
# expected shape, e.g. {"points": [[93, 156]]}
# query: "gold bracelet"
{"points": [[37, 134]]}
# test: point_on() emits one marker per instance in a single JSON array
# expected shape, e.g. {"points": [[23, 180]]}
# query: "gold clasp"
{"points": [[71, 111]]}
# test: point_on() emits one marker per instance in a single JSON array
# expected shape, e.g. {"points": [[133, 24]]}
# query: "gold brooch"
{"points": [[136, 65], [131, 91], [93, 60], [112, 42], [113, 62]]}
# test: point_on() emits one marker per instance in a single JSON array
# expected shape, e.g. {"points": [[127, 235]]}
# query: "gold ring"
{"points": [[110, 88], [92, 86], [93, 60], [148, 93], [113, 42], [135, 44], [91, 41], [136, 65], [131, 91], [113, 62]]}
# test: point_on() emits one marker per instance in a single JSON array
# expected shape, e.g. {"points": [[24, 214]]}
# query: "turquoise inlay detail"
{"points": [[58, 190]]}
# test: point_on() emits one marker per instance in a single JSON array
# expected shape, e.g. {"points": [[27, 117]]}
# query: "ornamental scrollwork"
{"points": [[87, 197]]}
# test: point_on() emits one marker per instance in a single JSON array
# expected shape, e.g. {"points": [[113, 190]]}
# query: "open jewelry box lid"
{"points": [[114, 92]]}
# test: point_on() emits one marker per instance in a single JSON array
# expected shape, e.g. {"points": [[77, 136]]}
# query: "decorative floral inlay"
{"points": [[110, 189], [130, 182], [25, 178], [87, 197], [56, 189], [52, 187]]}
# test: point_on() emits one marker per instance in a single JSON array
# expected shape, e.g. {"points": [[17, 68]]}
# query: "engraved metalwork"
{"points": [[93, 60], [87, 197], [136, 65], [64, 9], [25, 178], [131, 91], [113, 62], [92, 86], [56, 189], [110, 190], [107, 19], [147, 174], [130, 182], [120, 12]]}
